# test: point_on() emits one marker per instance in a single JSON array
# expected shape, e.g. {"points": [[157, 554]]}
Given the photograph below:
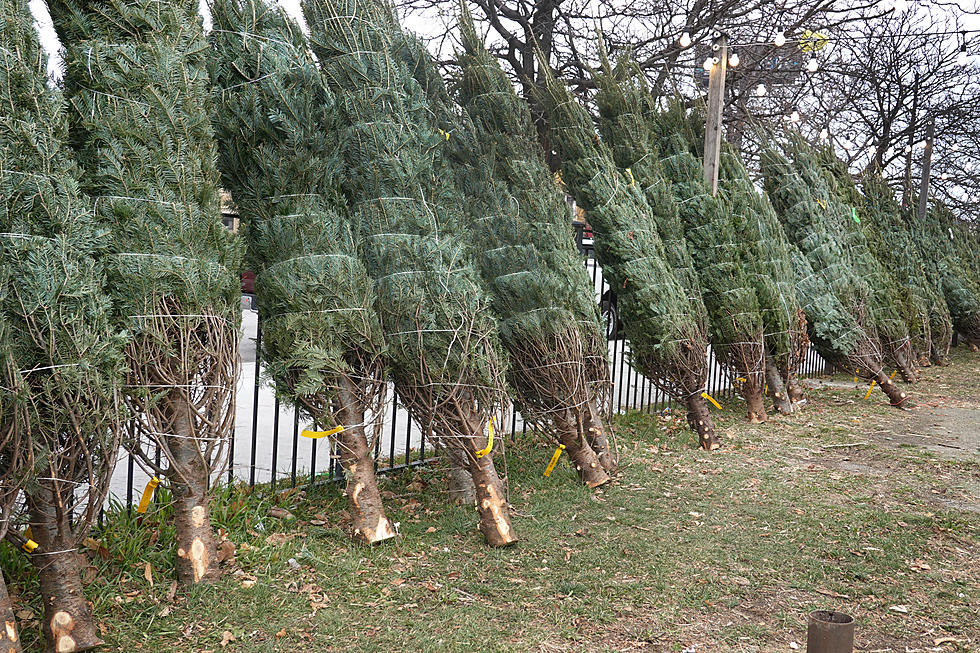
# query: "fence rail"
{"points": [[267, 446]]}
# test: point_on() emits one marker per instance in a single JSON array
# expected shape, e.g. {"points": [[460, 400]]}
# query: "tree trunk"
{"points": [[902, 356], [777, 389], [751, 391], [462, 491], [9, 641], [583, 457], [597, 436], [491, 504], [197, 558], [890, 388], [67, 623], [700, 421], [363, 497], [795, 390]]}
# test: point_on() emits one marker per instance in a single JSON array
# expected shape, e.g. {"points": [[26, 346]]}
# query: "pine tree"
{"points": [[62, 362], [136, 74], [443, 350], [828, 288], [947, 270], [321, 337], [667, 340], [542, 294], [767, 255], [895, 245], [889, 309]]}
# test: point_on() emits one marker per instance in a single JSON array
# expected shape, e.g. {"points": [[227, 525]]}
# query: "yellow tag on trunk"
{"points": [[554, 460], [316, 435], [29, 545], [711, 399], [856, 372], [894, 372], [870, 388], [482, 452], [147, 495]]}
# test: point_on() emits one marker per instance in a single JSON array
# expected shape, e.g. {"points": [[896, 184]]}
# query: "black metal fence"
{"points": [[267, 446]]}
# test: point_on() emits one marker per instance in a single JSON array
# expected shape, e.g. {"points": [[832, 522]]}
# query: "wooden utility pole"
{"points": [[926, 169], [716, 107], [910, 148]]}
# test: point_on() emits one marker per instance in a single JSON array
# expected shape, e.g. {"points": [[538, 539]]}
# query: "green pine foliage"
{"points": [[890, 306], [275, 123], [767, 256], [894, 244], [667, 339], [62, 360], [945, 266], [434, 312], [522, 241], [833, 296]]}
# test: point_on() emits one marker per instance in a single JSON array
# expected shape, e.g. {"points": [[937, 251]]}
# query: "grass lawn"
{"points": [[849, 504]]}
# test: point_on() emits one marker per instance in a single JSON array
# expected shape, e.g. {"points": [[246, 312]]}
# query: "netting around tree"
{"points": [[443, 350], [889, 308], [522, 242], [667, 341], [946, 268], [60, 359], [136, 75], [827, 287], [321, 337]]}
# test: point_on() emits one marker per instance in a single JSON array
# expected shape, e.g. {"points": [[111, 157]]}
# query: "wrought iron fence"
{"points": [[267, 446]]}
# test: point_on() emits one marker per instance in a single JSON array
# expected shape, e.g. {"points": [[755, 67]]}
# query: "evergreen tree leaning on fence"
{"points": [[948, 270], [321, 338], [443, 350], [136, 73], [888, 310], [668, 343], [62, 361], [542, 293], [767, 257], [895, 245], [16, 460], [827, 286]]}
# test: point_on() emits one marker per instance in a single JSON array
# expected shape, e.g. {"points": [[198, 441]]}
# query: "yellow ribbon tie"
{"points": [[444, 133], [629, 173], [554, 460], [316, 435], [872, 387], [482, 452], [855, 378], [893, 374], [29, 545], [711, 399], [741, 379], [147, 495]]}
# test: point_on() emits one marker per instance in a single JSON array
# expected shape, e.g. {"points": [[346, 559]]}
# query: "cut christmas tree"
{"points": [[890, 308], [62, 361], [321, 337], [831, 293], [443, 350], [136, 74], [16, 459], [542, 294], [668, 341]]}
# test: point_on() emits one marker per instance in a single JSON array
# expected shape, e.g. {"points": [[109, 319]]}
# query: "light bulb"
{"points": [[685, 41], [780, 39], [733, 60], [794, 117], [944, 176], [760, 90], [908, 149], [708, 63], [824, 134], [812, 65]]}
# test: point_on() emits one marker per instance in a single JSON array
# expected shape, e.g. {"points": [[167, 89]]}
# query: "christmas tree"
{"points": [[542, 294], [61, 359], [321, 338], [136, 74], [890, 309], [667, 340], [767, 255], [832, 295], [443, 350]]}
